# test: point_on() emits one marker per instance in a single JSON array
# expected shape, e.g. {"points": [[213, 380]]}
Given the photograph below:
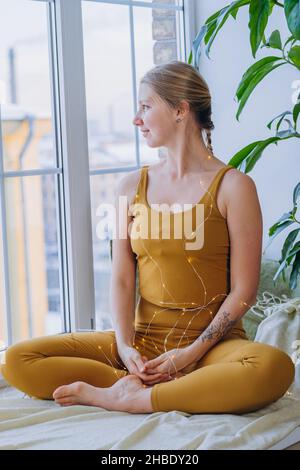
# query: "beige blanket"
{"points": [[37, 424]]}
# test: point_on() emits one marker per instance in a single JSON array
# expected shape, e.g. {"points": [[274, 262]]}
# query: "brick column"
{"points": [[164, 34]]}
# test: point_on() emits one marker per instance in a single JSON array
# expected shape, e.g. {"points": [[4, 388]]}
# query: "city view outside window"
{"points": [[30, 275]]}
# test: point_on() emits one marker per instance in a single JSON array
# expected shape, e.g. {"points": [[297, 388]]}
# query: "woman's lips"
{"points": [[145, 133]]}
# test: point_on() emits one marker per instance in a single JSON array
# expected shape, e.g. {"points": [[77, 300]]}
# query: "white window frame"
{"points": [[70, 117], [74, 148]]}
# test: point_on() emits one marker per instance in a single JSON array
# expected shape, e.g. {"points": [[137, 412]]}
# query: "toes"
{"points": [[61, 392], [64, 402], [67, 390]]}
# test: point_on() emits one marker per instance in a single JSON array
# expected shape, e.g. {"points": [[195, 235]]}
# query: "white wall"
{"points": [[278, 170]]}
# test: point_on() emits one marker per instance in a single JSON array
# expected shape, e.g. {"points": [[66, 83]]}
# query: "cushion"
{"points": [[269, 294]]}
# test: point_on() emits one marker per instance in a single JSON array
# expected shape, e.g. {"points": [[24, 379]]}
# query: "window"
{"points": [[31, 268], [66, 137], [121, 42]]}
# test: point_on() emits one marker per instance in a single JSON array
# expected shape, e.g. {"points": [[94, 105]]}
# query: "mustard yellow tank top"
{"points": [[183, 257]]}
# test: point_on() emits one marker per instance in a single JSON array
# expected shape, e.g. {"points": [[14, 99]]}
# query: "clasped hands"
{"points": [[169, 364]]}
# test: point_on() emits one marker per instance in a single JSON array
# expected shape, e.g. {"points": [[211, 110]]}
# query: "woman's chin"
{"points": [[152, 143]]}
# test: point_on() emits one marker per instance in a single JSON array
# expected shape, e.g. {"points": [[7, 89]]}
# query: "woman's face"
{"points": [[155, 117]]}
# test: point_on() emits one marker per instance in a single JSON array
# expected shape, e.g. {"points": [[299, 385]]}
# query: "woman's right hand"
{"points": [[134, 362]]}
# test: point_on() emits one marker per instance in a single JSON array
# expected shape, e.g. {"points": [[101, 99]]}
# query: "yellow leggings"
{"points": [[235, 376]]}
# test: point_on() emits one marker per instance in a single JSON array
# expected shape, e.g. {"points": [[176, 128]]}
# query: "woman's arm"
{"points": [[245, 226], [123, 278]]}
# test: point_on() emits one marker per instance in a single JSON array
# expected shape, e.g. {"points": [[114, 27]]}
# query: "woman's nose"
{"points": [[137, 120]]}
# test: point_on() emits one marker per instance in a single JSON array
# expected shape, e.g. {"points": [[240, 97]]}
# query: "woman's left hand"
{"points": [[170, 362]]}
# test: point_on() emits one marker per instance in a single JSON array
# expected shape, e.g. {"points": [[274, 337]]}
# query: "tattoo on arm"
{"points": [[220, 328]]}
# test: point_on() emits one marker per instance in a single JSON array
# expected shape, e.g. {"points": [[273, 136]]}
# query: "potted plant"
{"points": [[282, 53]]}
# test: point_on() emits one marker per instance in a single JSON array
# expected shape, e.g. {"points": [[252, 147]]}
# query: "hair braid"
{"points": [[209, 144]]}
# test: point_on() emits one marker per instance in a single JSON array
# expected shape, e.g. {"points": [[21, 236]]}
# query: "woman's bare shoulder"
{"points": [[235, 182], [237, 178], [127, 185]]}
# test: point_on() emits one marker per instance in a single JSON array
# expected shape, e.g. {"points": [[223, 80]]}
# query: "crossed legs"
{"points": [[235, 376]]}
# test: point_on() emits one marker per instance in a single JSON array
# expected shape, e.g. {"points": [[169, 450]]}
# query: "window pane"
{"points": [[107, 57], [25, 86], [33, 257]]}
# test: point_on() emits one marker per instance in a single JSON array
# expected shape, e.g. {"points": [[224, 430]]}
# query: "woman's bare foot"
{"points": [[127, 394]]}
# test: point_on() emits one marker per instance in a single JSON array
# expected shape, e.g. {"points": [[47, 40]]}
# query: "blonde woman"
{"points": [[183, 347]]}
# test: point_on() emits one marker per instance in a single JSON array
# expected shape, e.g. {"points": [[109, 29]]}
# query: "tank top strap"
{"points": [[214, 186], [210, 193], [141, 188]]}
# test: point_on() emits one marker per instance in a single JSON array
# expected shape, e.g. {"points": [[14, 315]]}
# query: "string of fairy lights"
{"points": [[199, 309]]}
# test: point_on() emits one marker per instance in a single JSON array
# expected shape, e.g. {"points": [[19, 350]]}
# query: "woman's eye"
{"points": [[145, 106]]}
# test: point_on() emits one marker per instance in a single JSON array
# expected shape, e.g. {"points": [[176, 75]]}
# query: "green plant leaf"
{"points": [[280, 120], [294, 55], [210, 25], [292, 14], [222, 18], [296, 193], [196, 47], [252, 71], [278, 227], [288, 40], [205, 33], [287, 216], [291, 127], [234, 12], [239, 156], [286, 133], [263, 39], [271, 7], [295, 272], [255, 80], [296, 112], [275, 40], [289, 243], [256, 153], [259, 15], [286, 261], [294, 250], [215, 15], [250, 154], [281, 268]]}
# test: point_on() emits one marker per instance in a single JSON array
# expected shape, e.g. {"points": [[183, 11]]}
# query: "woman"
{"points": [[183, 347]]}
